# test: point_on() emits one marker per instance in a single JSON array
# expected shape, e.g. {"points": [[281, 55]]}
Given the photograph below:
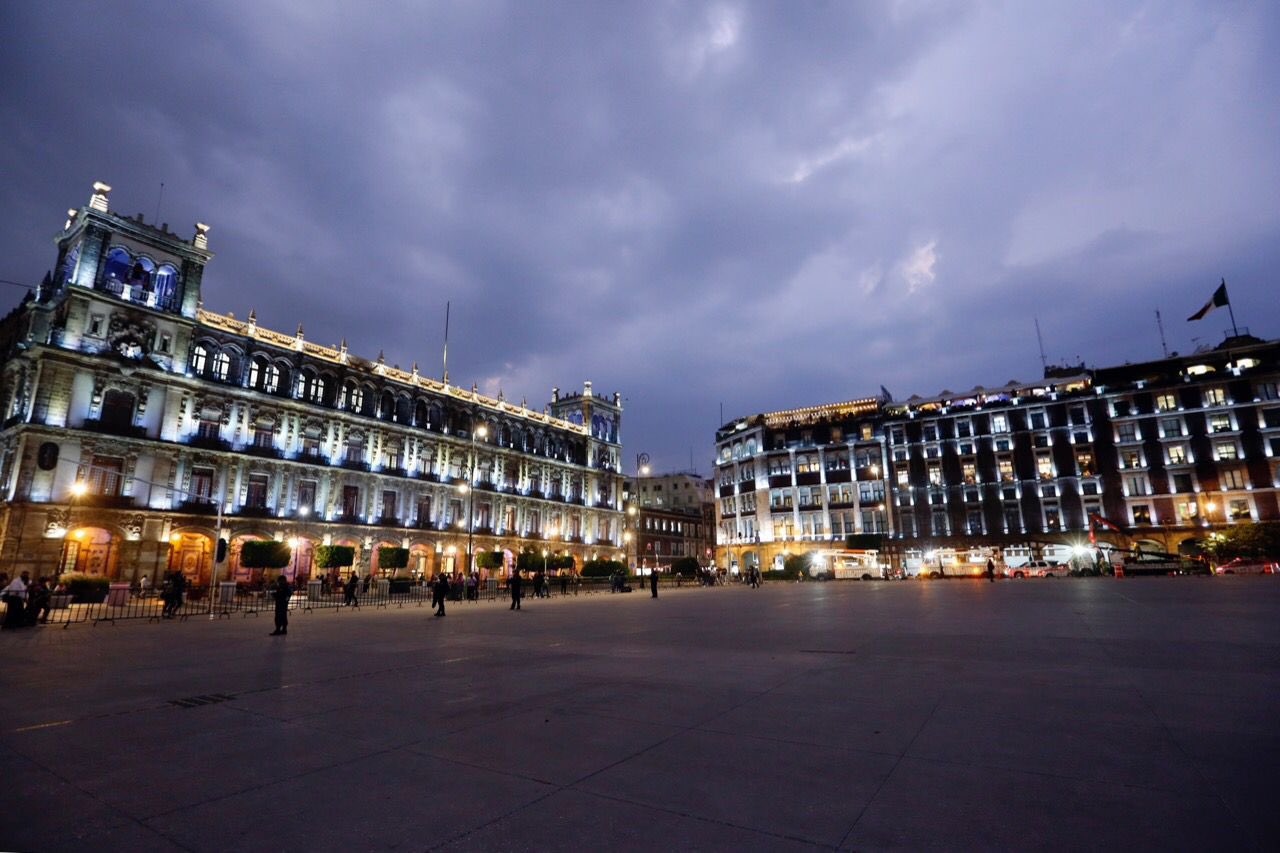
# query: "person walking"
{"points": [[349, 591], [38, 596], [991, 570], [173, 594], [15, 599], [440, 593], [144, 587], [653, 582], [284, 590], [514, 584]]}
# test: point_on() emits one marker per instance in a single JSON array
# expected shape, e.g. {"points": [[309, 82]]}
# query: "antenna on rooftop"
{"points": [[1160, 326], [1044, 361], [159, 199]]}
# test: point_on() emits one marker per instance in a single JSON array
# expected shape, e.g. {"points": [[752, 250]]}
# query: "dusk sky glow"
{"points": [[761, 205]]}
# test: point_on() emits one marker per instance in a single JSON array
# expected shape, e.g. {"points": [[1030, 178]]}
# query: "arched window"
{"points": [[420, 416], [317, 390], [199, 357], [271, 379], [140, 272], [164, 282], [221, 366], [386, 406], [353, 398], [69, 263], [255, 373], [116, 267], [402, 410]]}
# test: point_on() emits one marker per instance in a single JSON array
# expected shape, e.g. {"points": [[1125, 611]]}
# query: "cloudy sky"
{"points": [[695, 204]]}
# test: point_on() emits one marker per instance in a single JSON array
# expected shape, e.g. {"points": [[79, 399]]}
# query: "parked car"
{"points": [[1037, 569], [1243, 566]]}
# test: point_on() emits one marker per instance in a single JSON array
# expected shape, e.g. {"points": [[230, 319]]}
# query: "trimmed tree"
{"points": [[334, 556], [490, 560], [530, 561], [265, 554], [392, 557], [602, 568], [564, 561], [686, 566]]}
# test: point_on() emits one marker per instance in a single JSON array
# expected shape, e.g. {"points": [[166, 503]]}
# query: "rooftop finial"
{"points": [[253, 315], [298, 334], [98, 201], [201, 239]]}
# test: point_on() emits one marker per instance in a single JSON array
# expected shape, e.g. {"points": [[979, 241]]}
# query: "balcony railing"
{"points": [[354, 464], [114, 428], [208, 442], [312, 456], [106, 501], [389, 521], [256, 512], [201, 506], [395, 471], [263, 451]]}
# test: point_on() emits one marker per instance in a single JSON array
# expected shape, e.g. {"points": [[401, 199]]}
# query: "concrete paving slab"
{"points": [[1032, 715]]}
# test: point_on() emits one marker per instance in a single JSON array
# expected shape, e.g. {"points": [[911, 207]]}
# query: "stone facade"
{"points": [[173, 419]]}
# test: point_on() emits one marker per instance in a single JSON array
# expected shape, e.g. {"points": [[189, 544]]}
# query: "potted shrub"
{"points": [[86, 589]]}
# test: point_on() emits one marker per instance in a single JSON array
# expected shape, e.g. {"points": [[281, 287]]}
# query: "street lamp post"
{"points": [[481, 432], [78, 490], [642, 470]]}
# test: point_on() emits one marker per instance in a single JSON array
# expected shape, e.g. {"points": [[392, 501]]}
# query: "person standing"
{"points": [[15, 599], [349, 591], [991, 570], [144, 587], [283, 591], [514, 584], [653, 582]]}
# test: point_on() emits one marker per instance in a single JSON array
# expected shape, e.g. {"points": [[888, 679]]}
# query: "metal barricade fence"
{"points": [[122, 604]]}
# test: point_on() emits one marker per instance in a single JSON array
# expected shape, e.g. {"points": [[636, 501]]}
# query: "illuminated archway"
{"points": [[90, 550]]}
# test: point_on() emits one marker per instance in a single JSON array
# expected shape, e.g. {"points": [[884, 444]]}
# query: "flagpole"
{"points": [[1235, 332]]}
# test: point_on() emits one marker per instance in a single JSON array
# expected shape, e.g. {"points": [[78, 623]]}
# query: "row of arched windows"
{"points": [[121, 269], [223, 364]]}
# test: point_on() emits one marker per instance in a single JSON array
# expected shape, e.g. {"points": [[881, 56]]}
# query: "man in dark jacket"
{"points": [[349, 591], [283, 592], [514, 584], [440, 594], [653, 582]]}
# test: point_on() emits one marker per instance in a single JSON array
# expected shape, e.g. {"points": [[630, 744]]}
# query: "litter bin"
{"points": [[381, 589], [315, 588], [226, 592]]}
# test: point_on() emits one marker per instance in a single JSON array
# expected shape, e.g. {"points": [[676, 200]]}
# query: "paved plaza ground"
{"points": [[1039, 714]]}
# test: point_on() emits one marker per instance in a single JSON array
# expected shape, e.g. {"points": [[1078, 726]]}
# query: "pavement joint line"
{"points": [[117, 810], [894, 769], [705, 819], [270, 782]]}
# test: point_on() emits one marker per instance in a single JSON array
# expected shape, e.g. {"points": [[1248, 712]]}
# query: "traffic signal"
{"points": [[221, 551]]}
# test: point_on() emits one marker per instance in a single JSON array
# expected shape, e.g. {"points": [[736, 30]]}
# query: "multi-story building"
{"points": [[672, 516], [680, 491], [135, 421], [1163, 450]]}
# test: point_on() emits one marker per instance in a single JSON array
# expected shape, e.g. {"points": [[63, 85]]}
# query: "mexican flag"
{"points": [[1218, 299]]}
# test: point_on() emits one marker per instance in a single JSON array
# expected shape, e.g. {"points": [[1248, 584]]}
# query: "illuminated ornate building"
{"points": [[1163, 450], [118, 384]]}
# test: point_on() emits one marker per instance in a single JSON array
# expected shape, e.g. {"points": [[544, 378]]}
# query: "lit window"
{"points": [[198, 359], [1177, 454], [1044, 466], [1214, 397], [221, 365], [1166, 402], [1225, 450]]}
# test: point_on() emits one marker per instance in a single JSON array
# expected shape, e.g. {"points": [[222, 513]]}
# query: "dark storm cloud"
{"points": [[757, 204]]}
